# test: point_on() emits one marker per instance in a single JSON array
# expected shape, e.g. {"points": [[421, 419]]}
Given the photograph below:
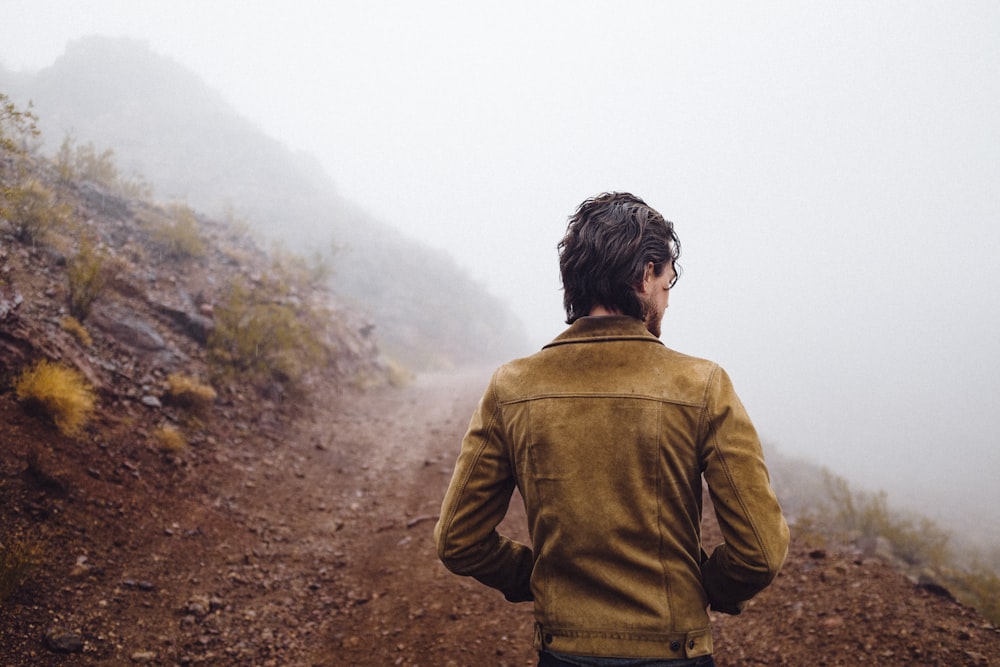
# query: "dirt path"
{"points": [[283, 544], [345, 515], [358, 510]]}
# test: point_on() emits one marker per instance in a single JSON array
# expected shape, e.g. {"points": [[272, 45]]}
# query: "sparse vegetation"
{"points": [[17, 126], [978, 585], [175, 232], [86, 163], [309, 272], [87, 274], [73, 326], [18, 557], [57, 392], [190, 394], [916, 543], [264, 334], [32, 211], [915, 540], [170, 439], [399, 374]]}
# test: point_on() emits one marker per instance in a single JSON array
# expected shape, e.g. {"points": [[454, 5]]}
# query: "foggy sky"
{"points": [[832, 169]]}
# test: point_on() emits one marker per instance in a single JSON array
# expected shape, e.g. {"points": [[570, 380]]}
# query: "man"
{"points": [[607, 433]]}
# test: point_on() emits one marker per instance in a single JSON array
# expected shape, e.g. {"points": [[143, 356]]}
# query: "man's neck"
{"points": [[601, 311]]}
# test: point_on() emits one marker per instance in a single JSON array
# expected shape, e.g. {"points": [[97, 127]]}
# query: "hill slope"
{"points": [[165, 125]]}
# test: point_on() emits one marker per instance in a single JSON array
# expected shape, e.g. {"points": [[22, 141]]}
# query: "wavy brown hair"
{"points": [[603, 255]]}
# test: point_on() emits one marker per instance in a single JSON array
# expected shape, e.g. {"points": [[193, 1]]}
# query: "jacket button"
{"points": [[548, 638], [691, 644], [675, 646]]}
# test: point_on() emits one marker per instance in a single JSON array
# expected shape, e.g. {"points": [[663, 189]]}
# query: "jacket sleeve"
{"points": [[475, 503], [753, 528]]}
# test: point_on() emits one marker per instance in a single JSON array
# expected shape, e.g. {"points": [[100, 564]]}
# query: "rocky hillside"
{"points": [[150, 310], [166, 127]]}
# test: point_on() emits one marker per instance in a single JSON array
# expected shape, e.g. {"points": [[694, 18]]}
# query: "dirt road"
{"points": [[366, 497], [305, 540]]}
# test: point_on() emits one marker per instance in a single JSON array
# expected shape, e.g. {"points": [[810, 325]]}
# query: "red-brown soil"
{"points": [[308, 542]]}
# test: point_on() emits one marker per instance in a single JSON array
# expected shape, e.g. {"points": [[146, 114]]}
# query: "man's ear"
{"points": [[647, 276]]}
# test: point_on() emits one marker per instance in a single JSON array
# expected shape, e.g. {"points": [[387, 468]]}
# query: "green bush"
{"points": [[176, 232], [919, 543], [308, 272], [86, 163], [17, 126], [915, 540], [31, 210], [64, 160], [87, 274], [978, 586], [263, 335]]}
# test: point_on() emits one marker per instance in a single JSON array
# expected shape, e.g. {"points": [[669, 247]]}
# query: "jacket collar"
{"points": [[605, 328]]}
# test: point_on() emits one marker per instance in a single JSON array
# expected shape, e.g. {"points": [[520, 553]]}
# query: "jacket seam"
{"points": [[603, 339], [667, 587], [750, 518], [471, 468], [641, 397]]}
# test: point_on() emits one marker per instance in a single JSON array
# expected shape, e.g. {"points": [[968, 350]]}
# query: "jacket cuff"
{"points": [[715, 584]]}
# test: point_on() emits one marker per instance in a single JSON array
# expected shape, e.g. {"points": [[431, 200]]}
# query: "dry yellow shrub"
{"points": [[170, 439], [188, 393], [73, 326], [59, 392]]}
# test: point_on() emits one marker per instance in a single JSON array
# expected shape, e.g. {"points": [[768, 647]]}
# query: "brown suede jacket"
{"points": [[607, 433]]}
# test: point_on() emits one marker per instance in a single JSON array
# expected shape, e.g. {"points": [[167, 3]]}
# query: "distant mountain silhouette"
{"points": [[166, 125]]}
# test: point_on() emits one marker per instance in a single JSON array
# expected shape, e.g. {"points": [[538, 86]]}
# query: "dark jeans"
{"points": [[546, 659]]}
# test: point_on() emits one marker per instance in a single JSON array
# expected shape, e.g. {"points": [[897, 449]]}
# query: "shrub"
{"points": [[262, 335], [170, 439], [17, 559], [65, 165], [58, 392], [73, 326], [917, 541], [919, 544], [17, 126], [31, 210], [87, 273], [312, 271], [399, 375], [178, 233], [85, 162], [94, 166], [190, 394]]}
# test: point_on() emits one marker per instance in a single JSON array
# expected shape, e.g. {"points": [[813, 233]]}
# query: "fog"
{"points": [[832, 169]]}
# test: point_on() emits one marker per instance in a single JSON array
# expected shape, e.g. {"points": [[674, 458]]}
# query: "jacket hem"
{"points": [[624, 644]]}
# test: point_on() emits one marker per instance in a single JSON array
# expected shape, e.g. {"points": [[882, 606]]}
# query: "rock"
{"points": [[143, 656], [151, 402], [60, 640], [128, 329], [198, 606]]}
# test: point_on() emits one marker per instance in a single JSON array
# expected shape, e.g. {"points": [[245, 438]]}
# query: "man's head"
{"points": [[614, 256]]}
